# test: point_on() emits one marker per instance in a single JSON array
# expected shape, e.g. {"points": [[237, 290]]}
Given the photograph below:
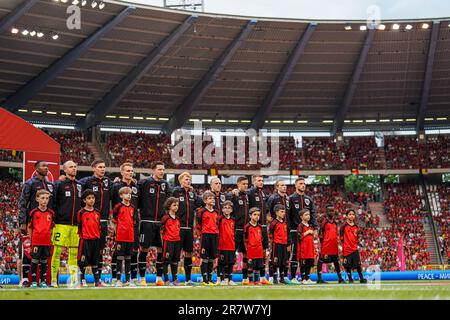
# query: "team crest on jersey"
{"points": [[35, 249], [49, 217], [95, 188], [241, 202], [222, 197], [191, 194], [105, 182], [297, 206], [203, 250], [163, 187], [275, 260], [152, 190], [79, 187], [167, 255], [118, 247], [257, 199], [134, 190], [83, 258], [50, 187], [307, 202], [68, 193], [181, 199], [325, 257]]}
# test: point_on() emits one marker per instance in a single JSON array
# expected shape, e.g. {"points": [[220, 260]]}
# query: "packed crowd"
{"points": [[74, 146], [142, 148], [442, 219], [317, 153]]}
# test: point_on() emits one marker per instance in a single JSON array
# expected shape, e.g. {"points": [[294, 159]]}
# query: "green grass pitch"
{"points": [[385, 290]]}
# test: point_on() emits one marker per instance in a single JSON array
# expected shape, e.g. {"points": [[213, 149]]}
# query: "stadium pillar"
{"points": [[426, 87], [114, 96], [341, 113], [34, 86], [7, 21], [278, 86], [184, 110]]}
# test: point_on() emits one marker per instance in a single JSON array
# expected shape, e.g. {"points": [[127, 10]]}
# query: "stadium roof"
{"points": [[163, 68]]}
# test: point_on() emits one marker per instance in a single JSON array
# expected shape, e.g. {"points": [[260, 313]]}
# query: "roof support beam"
{"points": [[184, 110], [341, 113], [428, 77], [112, 98], [283, 77], [34, 86], [7, 21]]}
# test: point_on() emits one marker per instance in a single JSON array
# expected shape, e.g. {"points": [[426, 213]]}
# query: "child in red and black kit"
{"points": [[306, 252], [171, 240], [227, 245], [253, 240], [208, 228], [349, 234], [40, 227], [278, 235], [89, 231], [329, 251], [124, 218]]}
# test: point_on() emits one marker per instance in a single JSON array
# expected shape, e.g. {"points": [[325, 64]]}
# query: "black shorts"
{"points": [[187, 240], [103, 235], [256, 264], [89, 252], [136, 238], [280, 255], [209, 244], [352, 260], [293, 235], [171, 251], [124, 248], [227, 257], [325, 258], [265, 237], [306, 263], [239, 241], [149, 234], [40, 252]]}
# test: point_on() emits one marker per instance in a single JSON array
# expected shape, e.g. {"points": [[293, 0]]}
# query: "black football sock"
{"points": [[282, 274], [262, 271], [100, 267], [43, 270], [165, 271], [34, 267], [250, 275], [142, 262], [220, 269], [360, 274], [134, 265], [119, 268], [127, 268], [229, 271], [271, 269], [293, 268], [114, 265], [210, 270], [302, 271], [274, 272], [256, 275], [95, 272], [349, 273], [188, 267], [174, 271], [285, 270], [159, 265], [26, 266], [82, 272], [204, 270], [244, 268], [319, 270], [337, 267]]}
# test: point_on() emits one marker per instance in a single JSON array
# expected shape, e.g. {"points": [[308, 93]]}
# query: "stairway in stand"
{"points": [[94, 150], [431, 246], [378, 210]]}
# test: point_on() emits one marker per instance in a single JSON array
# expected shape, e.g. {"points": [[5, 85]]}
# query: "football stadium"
{"points": [[168, 153]]}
